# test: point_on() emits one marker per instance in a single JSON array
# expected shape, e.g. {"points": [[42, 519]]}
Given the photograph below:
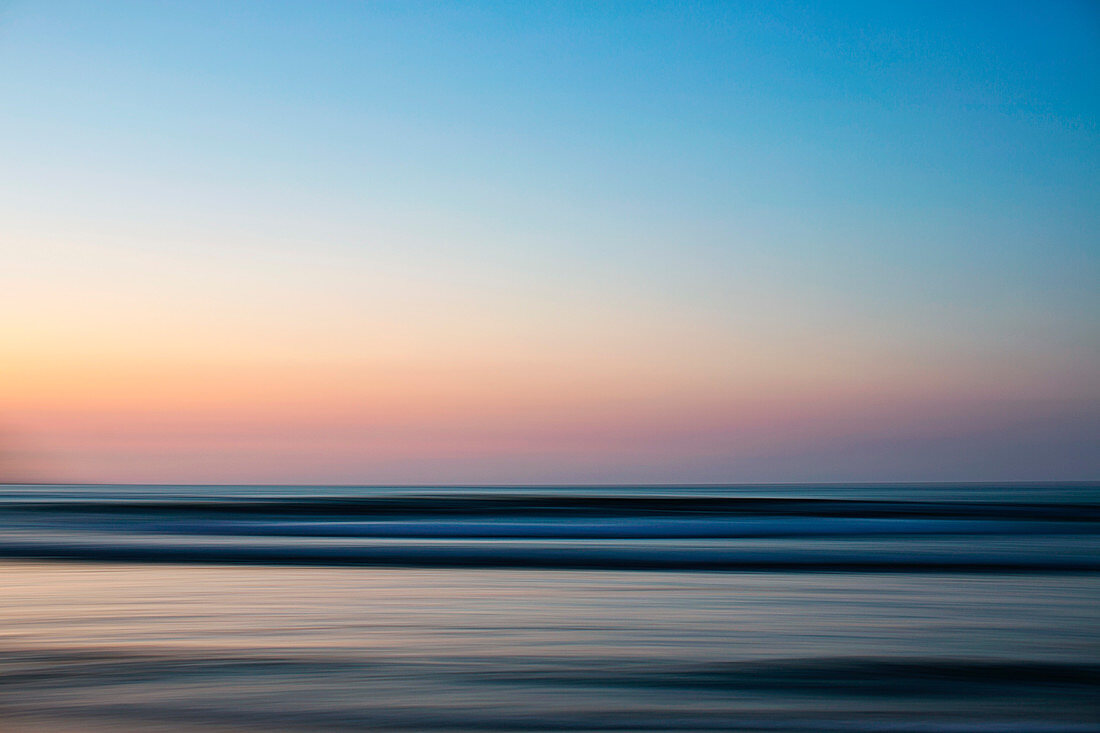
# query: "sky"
{"points": [[549, 242]]}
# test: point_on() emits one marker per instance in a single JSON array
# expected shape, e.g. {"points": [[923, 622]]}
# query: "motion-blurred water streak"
{"points": [[895, 608]]}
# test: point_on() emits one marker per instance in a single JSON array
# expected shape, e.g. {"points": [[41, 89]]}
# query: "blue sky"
{"points": [[646, 213]]}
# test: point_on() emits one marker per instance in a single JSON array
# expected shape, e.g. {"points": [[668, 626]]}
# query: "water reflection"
{"points": [[180, 647]]}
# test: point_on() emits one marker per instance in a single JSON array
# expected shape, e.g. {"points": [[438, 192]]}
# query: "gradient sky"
{"points": [[403, 242]]}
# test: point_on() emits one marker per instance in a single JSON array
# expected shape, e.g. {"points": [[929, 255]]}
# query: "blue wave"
{"points": [[971, 528]]}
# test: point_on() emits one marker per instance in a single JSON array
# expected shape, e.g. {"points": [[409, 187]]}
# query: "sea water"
{"points": [[763, 608]]}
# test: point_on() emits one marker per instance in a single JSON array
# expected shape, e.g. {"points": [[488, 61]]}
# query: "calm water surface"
{"points": [[870, 609]]}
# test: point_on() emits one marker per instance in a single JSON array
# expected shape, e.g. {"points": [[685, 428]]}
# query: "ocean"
{"points": [[698, 608]]}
